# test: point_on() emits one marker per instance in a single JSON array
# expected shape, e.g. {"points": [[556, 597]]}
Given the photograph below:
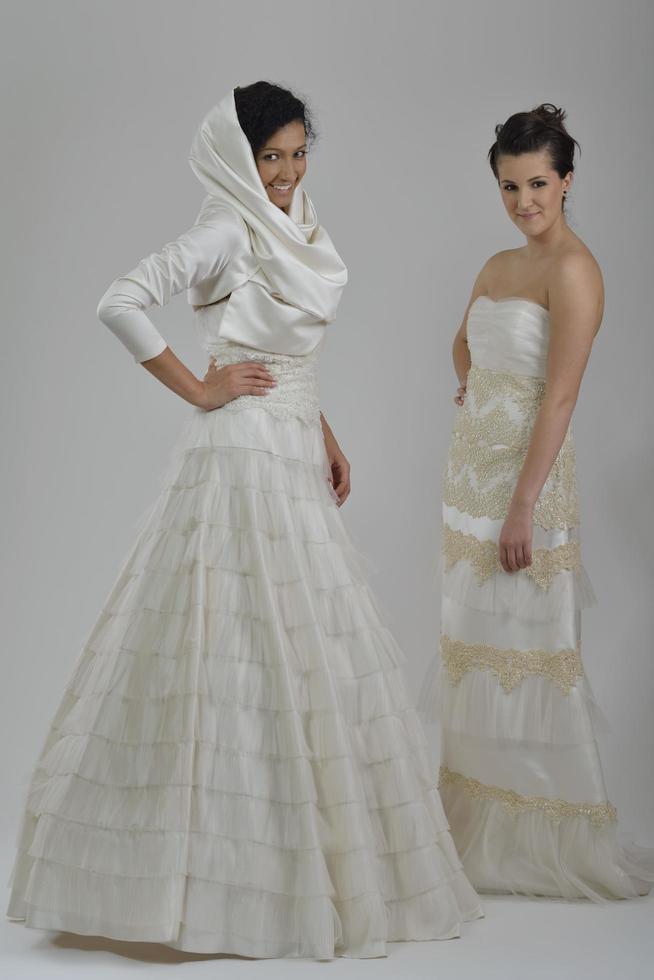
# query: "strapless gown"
{"points": [[521, 778], [236, 765]]}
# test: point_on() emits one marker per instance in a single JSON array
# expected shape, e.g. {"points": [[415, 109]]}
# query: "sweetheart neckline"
{"points": [[504, 299]]}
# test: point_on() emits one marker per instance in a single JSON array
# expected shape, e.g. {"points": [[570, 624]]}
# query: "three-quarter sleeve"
{"points": [[200, 253]]}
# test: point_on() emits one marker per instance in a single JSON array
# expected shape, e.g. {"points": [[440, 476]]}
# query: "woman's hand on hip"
{"points": [[459, 398], [222, 385], [516, 538]]}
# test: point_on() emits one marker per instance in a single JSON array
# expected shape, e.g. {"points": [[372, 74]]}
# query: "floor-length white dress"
{"points": [[521, 778], [236, 764]]}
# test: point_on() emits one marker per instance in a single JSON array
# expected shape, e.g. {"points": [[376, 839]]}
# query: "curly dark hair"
{"points": [[540, 128], [264, 107]]}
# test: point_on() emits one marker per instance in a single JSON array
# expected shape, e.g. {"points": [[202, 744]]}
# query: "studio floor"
{"points": [[519, 939]]}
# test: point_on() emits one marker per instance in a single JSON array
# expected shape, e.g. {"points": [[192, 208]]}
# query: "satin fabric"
{"points": [[216, 249], [511, 335], [277, 276], [294, 252]]}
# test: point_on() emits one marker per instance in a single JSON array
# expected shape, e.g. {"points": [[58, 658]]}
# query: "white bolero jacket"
{"points": [[214, 261]]}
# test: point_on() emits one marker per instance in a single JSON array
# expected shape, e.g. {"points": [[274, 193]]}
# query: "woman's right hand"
{"points": [[459, 398], [222, 385]]}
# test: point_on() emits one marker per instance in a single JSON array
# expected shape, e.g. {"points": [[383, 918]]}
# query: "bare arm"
{"points": [[460, 350], [168, 369], [219, 385], [461, 353], [575, 301]]}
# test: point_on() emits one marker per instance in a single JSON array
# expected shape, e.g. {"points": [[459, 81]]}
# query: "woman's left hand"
{"points": [[339, 467], [516, 538], [340, 470]]}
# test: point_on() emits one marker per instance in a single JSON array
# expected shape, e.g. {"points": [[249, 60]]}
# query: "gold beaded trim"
{"points": [[511, 666], [598, 814], [524, 392], [488, 449], [470, 485], [484, 557]]}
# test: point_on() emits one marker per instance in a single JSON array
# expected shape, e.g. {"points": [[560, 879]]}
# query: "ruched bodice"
{"points": [[509, 335]]}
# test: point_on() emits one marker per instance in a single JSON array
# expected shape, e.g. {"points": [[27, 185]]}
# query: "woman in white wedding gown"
{"points": [[521, 778], [236, 765]]}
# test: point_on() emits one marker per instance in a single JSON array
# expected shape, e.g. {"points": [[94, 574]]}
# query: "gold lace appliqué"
{"points": [[489, 442], [511, 666], [483, 556], [598, 814]]}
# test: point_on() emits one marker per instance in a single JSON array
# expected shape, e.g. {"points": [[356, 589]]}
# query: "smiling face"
{"points": [[282, 162], [532, 191]]}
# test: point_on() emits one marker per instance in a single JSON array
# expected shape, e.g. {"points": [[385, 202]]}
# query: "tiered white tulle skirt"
{"points": [[236, 765]]}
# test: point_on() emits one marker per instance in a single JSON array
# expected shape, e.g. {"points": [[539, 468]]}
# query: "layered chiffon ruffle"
{"points": [[236, 765]]}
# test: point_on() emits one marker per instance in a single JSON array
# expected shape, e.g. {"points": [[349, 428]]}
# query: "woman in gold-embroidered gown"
{"points": [[521, 779]]}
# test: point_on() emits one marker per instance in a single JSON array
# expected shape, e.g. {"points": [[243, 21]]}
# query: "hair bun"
{"points": [[550, 115]]}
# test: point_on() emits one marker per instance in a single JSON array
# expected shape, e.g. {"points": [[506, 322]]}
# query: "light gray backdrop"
{"points": [[100, 101]]}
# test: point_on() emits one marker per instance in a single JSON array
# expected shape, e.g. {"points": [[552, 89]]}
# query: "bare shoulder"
{"points": [[576, 276], [492, 270], [576, 265], [504, 255], [500, 261]]}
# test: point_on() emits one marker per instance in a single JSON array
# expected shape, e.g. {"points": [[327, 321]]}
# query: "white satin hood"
{"points": [[294, 252]]}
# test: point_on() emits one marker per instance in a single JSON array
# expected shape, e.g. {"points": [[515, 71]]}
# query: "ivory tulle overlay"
{"points": [[521, 778], [236, 765]]}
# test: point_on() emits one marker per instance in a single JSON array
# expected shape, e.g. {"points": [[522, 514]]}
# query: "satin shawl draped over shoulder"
{"points": [[295, 261]]}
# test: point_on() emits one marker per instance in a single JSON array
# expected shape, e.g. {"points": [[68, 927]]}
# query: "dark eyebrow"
{"points": [[277, 150], [507, 180]]}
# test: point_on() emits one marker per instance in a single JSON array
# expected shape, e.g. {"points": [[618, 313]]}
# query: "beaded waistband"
{"points": [[296, 393]]}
